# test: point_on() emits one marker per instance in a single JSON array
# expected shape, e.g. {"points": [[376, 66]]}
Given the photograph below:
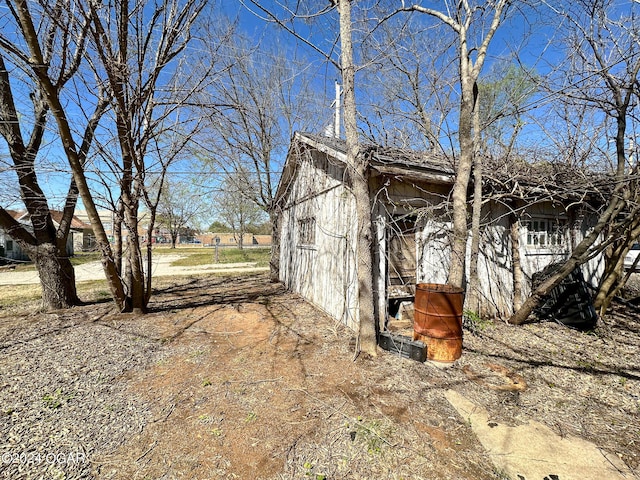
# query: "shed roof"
{"points": [[384, 159], [516, 179], [545, 180], [404, 163]]}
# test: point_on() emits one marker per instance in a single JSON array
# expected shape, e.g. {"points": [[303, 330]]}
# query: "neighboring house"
{"points": [[108, 220], [409, 192], [80, 235], [11, 249], [80, 232]]}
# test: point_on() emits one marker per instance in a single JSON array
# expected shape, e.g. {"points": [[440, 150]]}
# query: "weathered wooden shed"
{"points": [[409, 194]]}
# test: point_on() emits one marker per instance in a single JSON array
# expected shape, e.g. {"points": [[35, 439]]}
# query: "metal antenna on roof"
{"points": [[336, 125], [333, 131]]}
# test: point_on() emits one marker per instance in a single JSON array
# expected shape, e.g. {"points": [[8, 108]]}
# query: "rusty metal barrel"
{"points": [[438, 320]]}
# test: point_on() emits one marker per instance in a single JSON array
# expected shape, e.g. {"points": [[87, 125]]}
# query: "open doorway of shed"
{"points": [[401, 273]]}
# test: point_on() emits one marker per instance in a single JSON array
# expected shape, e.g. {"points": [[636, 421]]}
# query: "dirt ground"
{"points": [[233, 377]]}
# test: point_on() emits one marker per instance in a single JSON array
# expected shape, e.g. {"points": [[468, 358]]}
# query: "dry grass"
{"points": [[259, 256], [19, 297], [235, 378]]}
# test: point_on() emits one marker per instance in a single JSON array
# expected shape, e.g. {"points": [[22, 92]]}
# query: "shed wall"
{"points": [[495, 261], [324, 271]]}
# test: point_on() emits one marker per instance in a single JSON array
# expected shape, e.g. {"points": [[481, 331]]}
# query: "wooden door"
{"points": [[401, 257]]}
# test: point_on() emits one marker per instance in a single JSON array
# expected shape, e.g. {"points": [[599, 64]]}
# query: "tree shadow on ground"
{"points": [[208, 291], [556, 347]]}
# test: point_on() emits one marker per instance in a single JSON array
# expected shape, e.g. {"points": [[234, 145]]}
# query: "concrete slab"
{"points": [[535, 452]]}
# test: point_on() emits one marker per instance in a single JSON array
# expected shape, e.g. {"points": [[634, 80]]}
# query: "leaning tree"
{"points": [[602, 64]]}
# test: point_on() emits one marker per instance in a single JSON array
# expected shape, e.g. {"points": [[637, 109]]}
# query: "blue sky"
{"points": [[529, 35]]}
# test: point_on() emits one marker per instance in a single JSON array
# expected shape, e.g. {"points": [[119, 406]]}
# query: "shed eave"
{"points": [[421, 176], [337, 154]]}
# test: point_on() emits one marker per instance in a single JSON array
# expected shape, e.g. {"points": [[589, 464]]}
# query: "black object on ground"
{"points": [[569, 303], [403, 346]]}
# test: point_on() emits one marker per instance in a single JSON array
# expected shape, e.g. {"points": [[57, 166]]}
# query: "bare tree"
{"points": [[261, 98], [463, 18], [604, 68], [235, 209], [501, 103], [138, 49], [413, 109], [180, 204], [132, 49], [45, 71], [357, 169]]}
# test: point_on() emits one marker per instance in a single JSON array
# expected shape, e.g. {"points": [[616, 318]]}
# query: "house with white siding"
{"points": [[80, 236]]}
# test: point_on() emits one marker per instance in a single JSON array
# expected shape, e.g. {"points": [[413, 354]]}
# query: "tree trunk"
{"points": [[57, 277], [118, 245], [614, 277], [55, 271], [357, 168], [149, 251], [461, 184], [367, 324], [516, 262], [149, 261], [474, 292], [134, 260], [610, 284], [274, 262]]}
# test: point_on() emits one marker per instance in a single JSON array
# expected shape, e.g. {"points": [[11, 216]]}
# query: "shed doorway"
{"points": [[401, 273]]}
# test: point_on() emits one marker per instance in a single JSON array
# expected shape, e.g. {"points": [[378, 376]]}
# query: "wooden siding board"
{"points": [[435, 251], [495, 263], [380, 274]]}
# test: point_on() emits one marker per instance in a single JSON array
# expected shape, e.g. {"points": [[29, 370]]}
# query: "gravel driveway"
{"points": [[161, 267]]}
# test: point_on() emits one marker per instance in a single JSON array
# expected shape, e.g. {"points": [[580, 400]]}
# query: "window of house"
{"points": [[546, 233], [307, 231], [9, 245]]}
